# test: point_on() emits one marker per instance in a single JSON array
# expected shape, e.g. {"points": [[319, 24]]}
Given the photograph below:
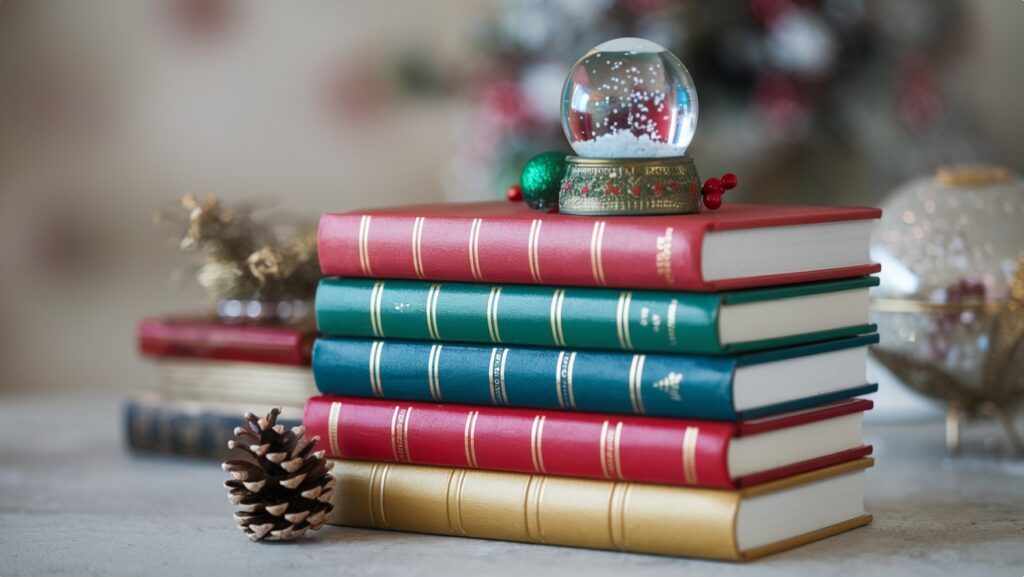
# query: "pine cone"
{"points": [[280, 487]]}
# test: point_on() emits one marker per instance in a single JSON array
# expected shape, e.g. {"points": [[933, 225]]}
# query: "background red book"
{"points": [[207, 339], [506, 242], [642, 449]]}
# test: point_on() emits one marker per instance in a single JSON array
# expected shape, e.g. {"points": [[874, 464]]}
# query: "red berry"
{"points": [[729, 181], [713, 200], [635, 191], [514, 193], [712, 186]]}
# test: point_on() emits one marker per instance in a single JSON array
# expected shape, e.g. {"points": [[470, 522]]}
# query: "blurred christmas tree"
{"points": [[797, 96]]}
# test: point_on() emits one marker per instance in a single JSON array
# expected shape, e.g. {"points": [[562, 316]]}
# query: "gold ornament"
{"points": [[950, 306]]}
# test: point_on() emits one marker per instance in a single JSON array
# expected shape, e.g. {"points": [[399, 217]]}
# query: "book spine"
{"points": [[599, 382], [536, 509], [223, 342], [156, 427], [646, 321], [642, 449], [575, 252]]}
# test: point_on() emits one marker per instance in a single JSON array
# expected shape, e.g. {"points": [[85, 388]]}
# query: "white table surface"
{"points": [[73, 501]]}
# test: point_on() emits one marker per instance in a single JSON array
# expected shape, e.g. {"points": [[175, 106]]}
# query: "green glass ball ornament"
{"points": [[541, 180]]}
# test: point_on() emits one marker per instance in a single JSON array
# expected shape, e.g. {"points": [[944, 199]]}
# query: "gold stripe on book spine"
{"points": [[534, 495], [332, 428], [492, 314], [417, 248], [533, 250], [375, 305], [636, 376], [432, 296], [406, 457], [638, 517], [376, 348], [536, 444], [596, 259], [557, 299], [474, 249], [617, 515], [364, 245], [394, 433], [470, 438], [622, 320], [433, 372], [690, 436]]}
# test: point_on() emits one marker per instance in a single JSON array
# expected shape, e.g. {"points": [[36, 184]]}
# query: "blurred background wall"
{"points": [[111, 109]]}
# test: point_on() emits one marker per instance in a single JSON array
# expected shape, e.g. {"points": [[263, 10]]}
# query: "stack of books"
{"points": [[210, 373], [680, 385]]}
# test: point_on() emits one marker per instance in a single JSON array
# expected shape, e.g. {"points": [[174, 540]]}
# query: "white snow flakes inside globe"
{"points": [[629, 98]]}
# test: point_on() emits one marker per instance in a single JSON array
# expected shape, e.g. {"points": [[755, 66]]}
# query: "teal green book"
{"points": [[682, 386], [595, 318]]}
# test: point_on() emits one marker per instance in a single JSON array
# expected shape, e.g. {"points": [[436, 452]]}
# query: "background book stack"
{"points": [[657, 384], [210, 373]]}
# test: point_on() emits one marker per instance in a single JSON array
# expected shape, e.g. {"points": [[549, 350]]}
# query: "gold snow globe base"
{"points": [[623, 186]]}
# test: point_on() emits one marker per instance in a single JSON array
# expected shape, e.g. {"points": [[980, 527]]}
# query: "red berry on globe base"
{"points": [[729, 181], [712, 186], [514, 193], [713, 200]]}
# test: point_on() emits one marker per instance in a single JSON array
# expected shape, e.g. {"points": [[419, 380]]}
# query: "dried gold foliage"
{"points": [[242, 257]]}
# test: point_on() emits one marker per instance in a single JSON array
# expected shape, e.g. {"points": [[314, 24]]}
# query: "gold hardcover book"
{"points": [[691, 522]]}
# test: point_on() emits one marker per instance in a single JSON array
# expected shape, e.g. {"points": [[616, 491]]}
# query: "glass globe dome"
{"points": [[952, 284], [629, 98]]}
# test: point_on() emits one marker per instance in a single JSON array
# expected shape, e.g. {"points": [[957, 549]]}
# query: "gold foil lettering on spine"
{"points": [[622, 320], [690, 455], [559, 369], [474, 248], [332, 428], [501, 377], [536, 444], [596, 260], [417, 249], [533, 250], [492, 314], [432, 296], [568, 380], [663, 261], [364, 245], [490, 376]]}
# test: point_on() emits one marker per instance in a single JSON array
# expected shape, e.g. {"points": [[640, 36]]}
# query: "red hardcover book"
{"points": [[737, 246], [207, 339], [642, 449]]}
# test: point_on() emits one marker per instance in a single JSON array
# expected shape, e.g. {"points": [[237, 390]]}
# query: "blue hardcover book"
{"points": [[704, 387]]}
